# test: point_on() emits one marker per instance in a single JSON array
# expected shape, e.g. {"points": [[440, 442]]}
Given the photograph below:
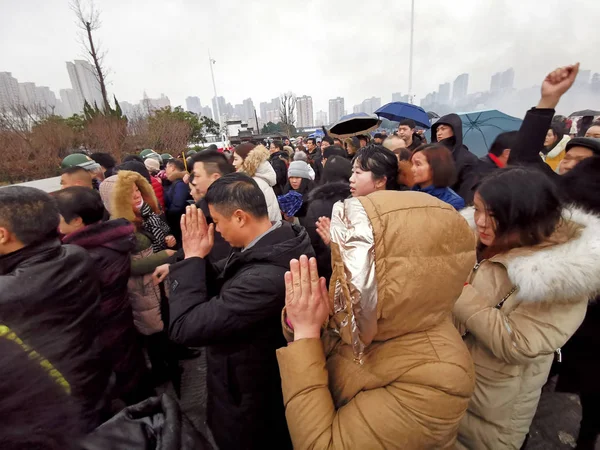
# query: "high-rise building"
{"points": [[127, 108], [45, 98], [460, 87], [238, 111], [9, 90], [193, 104], [321, 119], [70, 102], [207, 112], [583, 79], [153, 104], [85, 84], [27, 94], [508, 79], [357, 109], [397, 97], [336, 109], [304, 109], [444, 94], [595, 85], [220, 109], [264, 107], [370, 105], [248, 110]]}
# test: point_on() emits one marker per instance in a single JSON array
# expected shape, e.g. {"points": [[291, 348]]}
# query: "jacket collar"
{"points": [[496, 161], [564, 267], [33, 252]]}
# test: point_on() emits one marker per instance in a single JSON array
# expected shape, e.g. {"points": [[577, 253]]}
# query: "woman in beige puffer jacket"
{"points": [[538, 264]]}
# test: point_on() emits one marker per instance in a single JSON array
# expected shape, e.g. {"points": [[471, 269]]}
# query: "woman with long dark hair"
{"points": [[434, 172], [538, 264]]}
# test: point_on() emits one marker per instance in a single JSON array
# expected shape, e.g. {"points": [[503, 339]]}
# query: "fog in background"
{"points": [[323, 48]]}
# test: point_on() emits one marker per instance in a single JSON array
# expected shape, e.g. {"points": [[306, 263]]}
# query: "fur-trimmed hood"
{"points": [[122, 190], [255, 158], [565, 267]]}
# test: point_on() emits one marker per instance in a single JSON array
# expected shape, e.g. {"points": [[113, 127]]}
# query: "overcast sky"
{"points": [[324, 48]]}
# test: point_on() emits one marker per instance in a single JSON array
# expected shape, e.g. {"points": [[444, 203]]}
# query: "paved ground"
{"points": [[555, 426]]}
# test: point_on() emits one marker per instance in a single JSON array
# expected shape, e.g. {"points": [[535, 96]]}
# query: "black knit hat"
{"points": [[592, 143]]}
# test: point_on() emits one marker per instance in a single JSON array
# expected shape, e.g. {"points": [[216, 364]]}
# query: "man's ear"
{"points": [[215, 176], [4, 236], [240, 217], [506, 153], [77, 222]]}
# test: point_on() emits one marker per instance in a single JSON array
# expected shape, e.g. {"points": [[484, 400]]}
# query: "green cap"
{"points": [[144, 153], [190, 153], [78, 159], [166, 156]]}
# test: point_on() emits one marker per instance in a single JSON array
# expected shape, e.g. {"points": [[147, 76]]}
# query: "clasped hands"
{"points": [[306, 298]]}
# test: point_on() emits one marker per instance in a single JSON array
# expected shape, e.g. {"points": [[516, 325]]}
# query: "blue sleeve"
{"points": [[178, 200]]}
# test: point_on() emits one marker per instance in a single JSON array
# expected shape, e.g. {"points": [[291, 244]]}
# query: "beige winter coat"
{"points": [[391, 371], [258, 167], [546, 288]]}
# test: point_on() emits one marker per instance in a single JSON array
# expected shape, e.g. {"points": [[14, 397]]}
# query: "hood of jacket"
{"points": [[391, 274], [339, 190], [255, 158], [120, 190], [454, 121], [275, 248], [559, 147], [266, 173], [566, 266], [117, 235]]}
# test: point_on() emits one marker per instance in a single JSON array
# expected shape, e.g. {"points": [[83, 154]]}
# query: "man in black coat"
{"points": [[497, 157], [49, 296], [241, 326], [448, 131]]}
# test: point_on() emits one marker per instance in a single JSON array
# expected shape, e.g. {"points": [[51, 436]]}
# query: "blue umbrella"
{"points": [[398, 111], [317, 134], [480, 128]]}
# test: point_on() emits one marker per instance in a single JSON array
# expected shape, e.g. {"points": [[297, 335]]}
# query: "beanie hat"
{"points": [[106, 190], [299, 169], [591, 143], [152, 165], [290, 203]]}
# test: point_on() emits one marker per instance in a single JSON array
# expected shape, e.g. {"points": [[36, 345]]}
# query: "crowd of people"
{"points": [[359, 292]]}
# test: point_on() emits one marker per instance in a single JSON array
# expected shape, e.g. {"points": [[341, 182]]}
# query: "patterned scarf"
{"points": [[155, 226]]}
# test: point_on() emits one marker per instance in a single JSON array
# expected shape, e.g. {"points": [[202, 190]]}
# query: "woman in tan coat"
{"points": [[389, 371], [538, 264]]}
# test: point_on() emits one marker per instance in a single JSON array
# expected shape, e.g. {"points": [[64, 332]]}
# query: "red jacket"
{"points": [[158, 190]]}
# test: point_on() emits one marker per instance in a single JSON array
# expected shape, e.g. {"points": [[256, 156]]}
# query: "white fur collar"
{"points": [[561, 272]]}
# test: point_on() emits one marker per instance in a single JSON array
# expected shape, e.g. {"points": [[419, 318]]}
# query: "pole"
{"points": [[212, 73], [256, 119], [410, 65]]}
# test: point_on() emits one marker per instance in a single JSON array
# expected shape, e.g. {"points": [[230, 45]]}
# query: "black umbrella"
{"points": [[354, 125], [432, 115], [585, 112]]}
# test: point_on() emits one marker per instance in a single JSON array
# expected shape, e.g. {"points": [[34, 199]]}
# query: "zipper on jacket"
{"points": [[558, 355]]}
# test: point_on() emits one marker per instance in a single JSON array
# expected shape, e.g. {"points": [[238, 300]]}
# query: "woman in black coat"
{"points": [[334, 188]]}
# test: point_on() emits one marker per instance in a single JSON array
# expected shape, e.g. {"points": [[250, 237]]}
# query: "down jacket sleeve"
{"points": [[390, 416], [197, 320], [527, 332]]}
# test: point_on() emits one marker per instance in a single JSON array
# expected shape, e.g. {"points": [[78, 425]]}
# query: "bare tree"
{"points": [[287, 111], [88, 20]]}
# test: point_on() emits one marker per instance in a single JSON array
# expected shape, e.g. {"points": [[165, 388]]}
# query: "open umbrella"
{"points": [[584, 113], [317, 134], [398, 111], [432, 115], [480, 128], [354, 125]]}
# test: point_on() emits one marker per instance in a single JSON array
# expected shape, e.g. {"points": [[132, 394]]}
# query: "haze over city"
{"points": [[323, 49]]}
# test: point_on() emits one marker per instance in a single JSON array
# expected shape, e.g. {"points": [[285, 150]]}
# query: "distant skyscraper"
{"points": [[153, 104], [596, 83], [321, 119], [336, 109], [357, 109], [370, 105], [221, 109], [70, 102], [207, 112], [9, 90], [444, 94], [304, 108], [238, 111], [27, 93], [496, 82], [248, 110], [583, 79], [461, 87], [85, 84], [397, 97], [45, 98], [508, 79], [193, 104], [264, 107]]}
